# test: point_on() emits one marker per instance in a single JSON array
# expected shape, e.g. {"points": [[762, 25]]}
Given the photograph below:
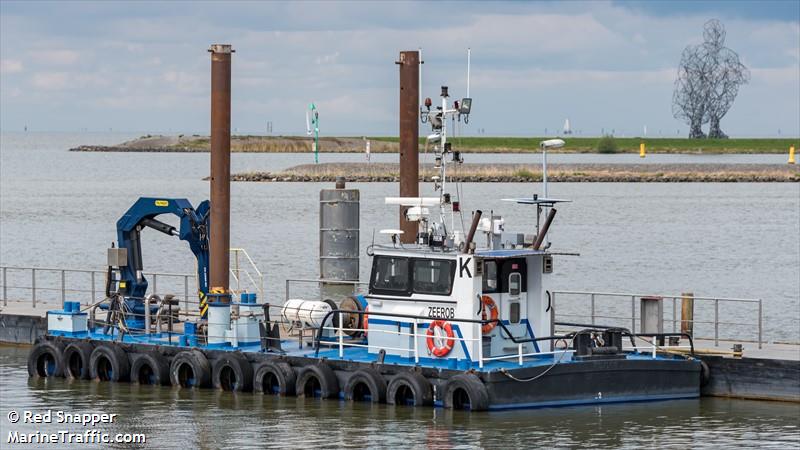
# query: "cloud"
{"points": [[49, 81], [67, 81], [55, 57], [145, 66], [328, 59], [533, 78], [185, 82], [9, 66], [776, 75]]}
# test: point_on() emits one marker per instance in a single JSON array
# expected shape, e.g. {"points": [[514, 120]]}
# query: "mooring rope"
{"points": [[504, 372]]}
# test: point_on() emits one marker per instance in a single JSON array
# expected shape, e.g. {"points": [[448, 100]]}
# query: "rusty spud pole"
{"points": [[543, 232], [409, 138], [219, 235]]}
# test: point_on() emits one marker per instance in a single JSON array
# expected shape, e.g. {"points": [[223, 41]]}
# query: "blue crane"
{"points": [[194, 228]]}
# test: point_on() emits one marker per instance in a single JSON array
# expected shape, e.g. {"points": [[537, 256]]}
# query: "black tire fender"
{"points": [[324, 376], [705, 374], [190, 369], [77, 356], [370, 379], [466, 391], [409, 388], [232, 372], [279, 372], [109, 363], [150, 368], [46, 359]]}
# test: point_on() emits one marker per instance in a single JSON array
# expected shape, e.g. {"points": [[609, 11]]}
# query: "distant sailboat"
{"points": [[567, 129]]}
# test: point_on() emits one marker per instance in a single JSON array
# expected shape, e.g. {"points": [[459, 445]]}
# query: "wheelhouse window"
{"points": [[514, 284], [433, 276], [390, 275], [505, 275], [490, 283]]}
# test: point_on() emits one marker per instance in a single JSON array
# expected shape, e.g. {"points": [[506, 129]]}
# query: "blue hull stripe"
{"points": [[592, 401]]}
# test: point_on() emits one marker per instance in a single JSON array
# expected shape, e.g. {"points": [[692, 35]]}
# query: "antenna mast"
{"points": [[469, 54], [438, 235], [421, 62]]}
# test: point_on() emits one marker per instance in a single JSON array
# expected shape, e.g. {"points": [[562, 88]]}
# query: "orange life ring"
{"points": [[448, 343], [489, 304], [366, 320]]}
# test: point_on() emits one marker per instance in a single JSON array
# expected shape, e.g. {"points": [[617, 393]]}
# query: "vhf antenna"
{"points": [[469, 54], [421, 62]]}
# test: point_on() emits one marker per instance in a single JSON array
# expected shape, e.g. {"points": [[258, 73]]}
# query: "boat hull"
{"points": [[598, 381], [615, 378]]}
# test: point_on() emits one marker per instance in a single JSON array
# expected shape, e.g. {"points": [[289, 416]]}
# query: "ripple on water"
{"points": [[174, 418]]}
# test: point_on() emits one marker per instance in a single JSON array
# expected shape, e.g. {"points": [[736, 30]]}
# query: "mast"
{"points": [[409, 138], [469, 54], [219, 235]]}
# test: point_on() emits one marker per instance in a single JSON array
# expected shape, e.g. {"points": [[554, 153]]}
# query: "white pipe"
{"points": [[421, 62], [469, 51], [412, 201], [550, 143], [544, 172], [444, 159]]}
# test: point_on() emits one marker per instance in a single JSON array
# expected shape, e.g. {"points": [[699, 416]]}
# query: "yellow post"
{"points": [[641, 150], [791, 154], [687, 313]]}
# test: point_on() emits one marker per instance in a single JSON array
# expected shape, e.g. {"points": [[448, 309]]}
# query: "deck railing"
{"points": [[163, 319], [341, 343], [648, 343], [611, 313], [314, 287], [54, 286], [245, 272]]}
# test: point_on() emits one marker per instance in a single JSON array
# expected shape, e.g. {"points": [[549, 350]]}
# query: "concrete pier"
{"points": [[21, 323], [769, 373]]}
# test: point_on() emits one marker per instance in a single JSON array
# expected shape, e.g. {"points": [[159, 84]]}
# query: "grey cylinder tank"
{"points": [[339, 211]]}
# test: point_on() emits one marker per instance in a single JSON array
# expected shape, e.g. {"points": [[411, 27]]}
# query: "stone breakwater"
{"points": [[497, 173]]}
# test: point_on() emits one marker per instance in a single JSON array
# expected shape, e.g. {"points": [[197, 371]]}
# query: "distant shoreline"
{"points": [[302, 144], [505, 173]]}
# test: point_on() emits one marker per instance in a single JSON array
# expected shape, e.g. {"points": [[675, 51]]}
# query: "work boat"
{"points": [[471, 310], [453, 318]]}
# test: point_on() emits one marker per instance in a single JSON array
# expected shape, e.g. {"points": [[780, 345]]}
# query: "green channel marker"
{"points": [[312, 119]]}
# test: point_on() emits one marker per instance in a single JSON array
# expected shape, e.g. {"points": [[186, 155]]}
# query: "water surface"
{"points": [[175, 418], [59, 209]]}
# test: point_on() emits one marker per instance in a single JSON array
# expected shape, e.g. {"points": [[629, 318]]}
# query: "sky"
{"points": [[607, 66]]}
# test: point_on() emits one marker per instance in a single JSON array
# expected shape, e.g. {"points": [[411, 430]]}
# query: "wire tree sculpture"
{"points": [[709, 76]]}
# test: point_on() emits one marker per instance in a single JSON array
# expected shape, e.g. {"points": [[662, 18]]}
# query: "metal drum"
{"points": [[339, 233]]}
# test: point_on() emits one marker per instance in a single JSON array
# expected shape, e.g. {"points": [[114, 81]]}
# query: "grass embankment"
{"points": [[365, 172], [624, 145], [301, 144], [240, 144]]}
